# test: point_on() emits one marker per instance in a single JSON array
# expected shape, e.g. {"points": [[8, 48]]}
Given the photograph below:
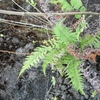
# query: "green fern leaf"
{"points": [[65, 5], [34, 58], [90, 40], [73, 72], [48, 60], [53, 56], [64, 34], [76, 5]]}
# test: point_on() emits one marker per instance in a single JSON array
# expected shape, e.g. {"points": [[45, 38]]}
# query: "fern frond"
{"points": [[71, 5], [53, 56], [90, 40], [73, 72], [48, 60], [66, 6], [64, 34], [34, 57]]}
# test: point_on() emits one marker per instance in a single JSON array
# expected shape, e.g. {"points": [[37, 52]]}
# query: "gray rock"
{"points": [[63, 87], [15, 40], [66, 81], [75, 93], [63, 97], [60, 80], [82, 98], [86, 96], [57, 93]]}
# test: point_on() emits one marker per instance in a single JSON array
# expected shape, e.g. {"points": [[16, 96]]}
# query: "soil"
{"points": [[17, 42]]}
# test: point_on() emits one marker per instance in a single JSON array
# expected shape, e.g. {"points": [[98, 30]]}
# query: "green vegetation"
{"points": [[56, 54], [31, 2], [1, 35], [69, 6]]}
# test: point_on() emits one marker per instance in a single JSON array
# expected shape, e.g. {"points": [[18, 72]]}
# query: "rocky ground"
{"points": [[17, 43]]}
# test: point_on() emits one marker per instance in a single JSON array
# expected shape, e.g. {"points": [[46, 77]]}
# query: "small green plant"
{"points": [[94, 93], [55, 98], [72, 5], [56, 54], [53, 81], [31, 2], [1, 35]]}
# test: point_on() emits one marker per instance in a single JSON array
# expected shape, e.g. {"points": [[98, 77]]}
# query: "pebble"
{"points": [[66, 81], [63, 97], [75, 93], [86, 96], [15, 40], [28, 46], [60, 80], [63, 87]]}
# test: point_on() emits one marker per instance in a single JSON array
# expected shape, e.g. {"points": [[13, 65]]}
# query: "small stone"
{"points": [[82, 98], [57, 93], [60, 80], [50, 96], [86, 86], [63, 87], [28, 47], [75, 93], [15, 40], [63, 97], [19, 50], [86, 96], [91, 90], [66, 81], [67, 97]]}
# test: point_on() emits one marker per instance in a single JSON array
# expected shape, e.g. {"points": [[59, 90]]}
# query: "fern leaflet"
{"points": [[73, 72], [64, 34], [53, 56], [34, 57], [48, 60], [90, 40]]}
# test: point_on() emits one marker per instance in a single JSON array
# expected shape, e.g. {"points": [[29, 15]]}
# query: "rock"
{"points": [[15, 40], [28, 47], [75, 93], [58, 92], [82, 98], [60, 80], [63, 97], [63, 87], [66, 81], [86, 96]]}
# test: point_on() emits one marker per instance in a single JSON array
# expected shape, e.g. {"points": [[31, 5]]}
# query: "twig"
{"points": [[35, 17], [22, 24], [43, 14], [12, 52]]}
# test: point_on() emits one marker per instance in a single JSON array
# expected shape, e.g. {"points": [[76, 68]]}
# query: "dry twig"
{"points": [[43, 14]]}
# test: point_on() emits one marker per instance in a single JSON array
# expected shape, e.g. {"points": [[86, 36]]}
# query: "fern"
{"points": [[34, 57], [64, 34], [48, 60], [73, 72], [90, 40], [56, 54], [31, 2], [53, 56], [71, 5]]}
